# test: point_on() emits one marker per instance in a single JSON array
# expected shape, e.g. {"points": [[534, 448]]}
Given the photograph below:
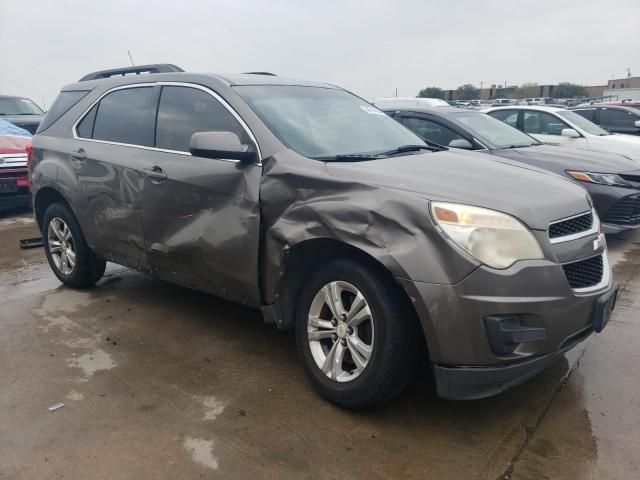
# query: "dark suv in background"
{"points": [[617, 119], [304, 200], [21, 111]]}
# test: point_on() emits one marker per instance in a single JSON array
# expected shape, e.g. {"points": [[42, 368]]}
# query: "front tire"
{"points": [[355, 334], [69, 256]]}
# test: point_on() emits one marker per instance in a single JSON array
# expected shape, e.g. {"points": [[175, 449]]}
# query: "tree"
{"points": [[569, 90], [431, 92], [467, 92]]}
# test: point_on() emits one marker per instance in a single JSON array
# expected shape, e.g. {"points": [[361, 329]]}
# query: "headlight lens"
{"points": [[494, 238], [600, 178]]}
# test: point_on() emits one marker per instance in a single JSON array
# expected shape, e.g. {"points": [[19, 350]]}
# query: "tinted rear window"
{"points": [[85, 127], [127, 116], [60, 106]]}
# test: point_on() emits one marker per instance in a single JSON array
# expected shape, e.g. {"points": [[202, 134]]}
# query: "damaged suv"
{"points": [[307, 202]]}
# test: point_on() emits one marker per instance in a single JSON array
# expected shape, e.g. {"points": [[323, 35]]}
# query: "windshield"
{"points": [[496, 132], [18, 106], [325, 122], [582, 123]]}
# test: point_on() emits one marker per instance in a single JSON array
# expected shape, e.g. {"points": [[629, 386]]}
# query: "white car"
{"points": [[411, 102], [558, 126]]}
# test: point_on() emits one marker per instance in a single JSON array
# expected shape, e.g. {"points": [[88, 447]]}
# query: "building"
{"points": [[629, 82]]}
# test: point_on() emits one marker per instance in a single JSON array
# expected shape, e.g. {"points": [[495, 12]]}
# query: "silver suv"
{"points": [[305, 201]]}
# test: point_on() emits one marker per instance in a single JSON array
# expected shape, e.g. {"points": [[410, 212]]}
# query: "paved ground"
{"points": [[161, 382]]}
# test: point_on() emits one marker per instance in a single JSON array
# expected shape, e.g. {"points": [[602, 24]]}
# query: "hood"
{"points": [[558, 159], [534, 196], [22, 119], [627, 145]]}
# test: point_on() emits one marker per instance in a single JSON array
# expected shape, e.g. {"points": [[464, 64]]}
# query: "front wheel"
{"points": [[354, 334], [69, 256]]}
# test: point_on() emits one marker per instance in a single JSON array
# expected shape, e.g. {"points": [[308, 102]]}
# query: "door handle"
{"points": [[79, 154], [155, 173]]}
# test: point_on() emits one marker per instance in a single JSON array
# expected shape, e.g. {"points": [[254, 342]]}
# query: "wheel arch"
{"points": [[301, 259], [45, 197]]}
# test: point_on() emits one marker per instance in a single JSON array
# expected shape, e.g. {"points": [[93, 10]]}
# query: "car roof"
{"points": [[606, 105], [420, 109], [11, 96], [541, 108], [191, 77]]}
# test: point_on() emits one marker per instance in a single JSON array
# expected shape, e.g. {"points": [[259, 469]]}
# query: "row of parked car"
{"points": [[554, 139], [379, 234]]}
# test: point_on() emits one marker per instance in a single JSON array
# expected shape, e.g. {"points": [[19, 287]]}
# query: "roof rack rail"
{"points": [[261, 73], [137, 70]]}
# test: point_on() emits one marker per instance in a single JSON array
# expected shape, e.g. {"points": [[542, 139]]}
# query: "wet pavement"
{"points": [[162, 382]]}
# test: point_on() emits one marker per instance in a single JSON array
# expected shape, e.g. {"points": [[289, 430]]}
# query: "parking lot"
{"points": [[159, 381]]}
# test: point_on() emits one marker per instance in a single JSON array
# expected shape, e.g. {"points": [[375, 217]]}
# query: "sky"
{"points": [[371, 47]]}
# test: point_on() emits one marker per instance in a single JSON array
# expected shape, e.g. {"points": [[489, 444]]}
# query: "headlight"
{"points": [[600, 178], [495, 239]]}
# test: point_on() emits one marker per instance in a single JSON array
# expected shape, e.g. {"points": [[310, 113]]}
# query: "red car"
{"points": [[14, 179]]}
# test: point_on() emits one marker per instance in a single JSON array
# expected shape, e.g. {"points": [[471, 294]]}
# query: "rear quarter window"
{"points": [[60, 106]]}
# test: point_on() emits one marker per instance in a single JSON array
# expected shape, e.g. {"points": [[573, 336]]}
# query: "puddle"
{"points": [[75, 396], [92, 362], [201, 451], [213, 408]]}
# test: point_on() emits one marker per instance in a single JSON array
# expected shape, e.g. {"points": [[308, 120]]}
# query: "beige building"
{"points": [[629, 82]]}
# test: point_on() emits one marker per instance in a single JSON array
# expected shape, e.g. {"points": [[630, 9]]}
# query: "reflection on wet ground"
{"points": [[162, 382]]}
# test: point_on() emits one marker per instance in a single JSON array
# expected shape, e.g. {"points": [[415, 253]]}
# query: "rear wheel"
{"points": [[354, 334], [69, 256]]}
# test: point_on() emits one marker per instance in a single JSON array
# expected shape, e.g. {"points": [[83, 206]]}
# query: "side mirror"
{"points": [[461, 143], [637, 123], [221, 145], [569, 132]]}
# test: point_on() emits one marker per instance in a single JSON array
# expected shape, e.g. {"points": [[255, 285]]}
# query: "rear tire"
{"points": [[361, 352], [69, 256]]}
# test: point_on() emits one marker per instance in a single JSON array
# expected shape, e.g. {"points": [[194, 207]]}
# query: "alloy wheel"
{"points": [[61, 246], [340, 331]]}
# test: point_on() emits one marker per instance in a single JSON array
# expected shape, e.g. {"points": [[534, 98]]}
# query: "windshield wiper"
{"points": [[350, 157], [414, 148], [522, 145]]}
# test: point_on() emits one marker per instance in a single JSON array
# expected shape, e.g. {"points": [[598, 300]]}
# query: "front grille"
{"points": [[571, 226], [585, 273], [625, 212], [631, 178]]}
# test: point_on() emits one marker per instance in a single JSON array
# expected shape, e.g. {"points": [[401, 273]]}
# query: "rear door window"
{"points": [[510, 117], [430, 130], [588, 113], [184, 111], [542, 123], [127, 116], [612, 117]]}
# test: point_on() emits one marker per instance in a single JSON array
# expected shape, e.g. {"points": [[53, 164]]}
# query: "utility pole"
{"points": [[396, 92], [481, 84], [628, 77], [131, 58]]}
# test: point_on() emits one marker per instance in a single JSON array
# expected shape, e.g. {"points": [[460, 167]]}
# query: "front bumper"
{"points": [[535, 292], [617, 207], [471, 383]]}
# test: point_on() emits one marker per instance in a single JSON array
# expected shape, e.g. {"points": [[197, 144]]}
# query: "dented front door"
{"points": [[201, 224]]}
